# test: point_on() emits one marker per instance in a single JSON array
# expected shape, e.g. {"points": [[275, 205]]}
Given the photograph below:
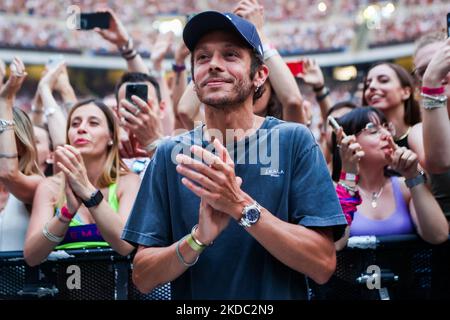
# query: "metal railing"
{"points": [[89, 274], [394, 267], [390, 267]]}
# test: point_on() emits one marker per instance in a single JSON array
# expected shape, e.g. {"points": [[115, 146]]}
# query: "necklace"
{"points": [[375, 196], [404, 135]]}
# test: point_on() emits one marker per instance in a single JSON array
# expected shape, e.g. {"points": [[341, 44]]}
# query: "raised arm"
{"points": [[179, 87], [56, 119], [436, 124], [189, 107], [118, 35], [2, 72], [313, 76], [427, 215], [65, 89], [20, 185], [160, 49], [280, 77]]}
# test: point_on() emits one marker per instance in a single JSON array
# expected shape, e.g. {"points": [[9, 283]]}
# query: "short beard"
{"points": [[244, 90]]}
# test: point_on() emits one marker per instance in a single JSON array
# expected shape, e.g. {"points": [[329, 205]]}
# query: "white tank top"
{"points": [[14, 219]]}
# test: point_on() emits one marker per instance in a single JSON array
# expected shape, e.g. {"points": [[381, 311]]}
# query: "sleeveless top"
{"points": [[81, 235], [14, 219], [399, 222]]}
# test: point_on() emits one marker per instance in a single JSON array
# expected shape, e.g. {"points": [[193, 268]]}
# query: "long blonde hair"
{"points": [[114, 166], [25, 140]]}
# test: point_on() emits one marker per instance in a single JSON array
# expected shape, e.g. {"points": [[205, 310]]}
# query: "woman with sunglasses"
{"points": [[382, 205]]}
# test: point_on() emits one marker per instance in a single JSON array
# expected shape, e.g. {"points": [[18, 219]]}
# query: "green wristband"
{"points": [[193, 244]]}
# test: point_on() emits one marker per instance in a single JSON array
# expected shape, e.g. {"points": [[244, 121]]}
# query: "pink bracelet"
{"points": [[349, 176], [66, 214], [433, 91]]}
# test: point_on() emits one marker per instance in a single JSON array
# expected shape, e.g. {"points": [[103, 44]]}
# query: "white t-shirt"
{"points": [[14, 219]]}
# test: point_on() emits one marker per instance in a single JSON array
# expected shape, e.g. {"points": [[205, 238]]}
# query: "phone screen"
{"points": [[333, 123], [296, 67], [136, 89], [93, 20]]}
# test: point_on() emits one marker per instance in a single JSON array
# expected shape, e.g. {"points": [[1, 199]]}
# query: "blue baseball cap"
{"points": [[208, 21]]}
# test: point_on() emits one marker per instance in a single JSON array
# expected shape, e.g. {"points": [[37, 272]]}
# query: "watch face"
{"points": [[252, 215]]}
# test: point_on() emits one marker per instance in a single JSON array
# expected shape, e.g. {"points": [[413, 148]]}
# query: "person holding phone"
{"points": [[117, 34], [388, 205], [140, 110]]}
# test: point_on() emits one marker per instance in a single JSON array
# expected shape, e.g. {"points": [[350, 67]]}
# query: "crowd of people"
{"points": [[158, 170], [321, 31]]}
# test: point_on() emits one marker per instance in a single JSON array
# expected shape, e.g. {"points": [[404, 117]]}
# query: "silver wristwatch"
{"points": [[250, 215], [6, 124], [420, 178]]}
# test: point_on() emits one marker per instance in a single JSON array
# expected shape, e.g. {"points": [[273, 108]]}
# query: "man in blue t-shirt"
{"points": [[248, 221]]}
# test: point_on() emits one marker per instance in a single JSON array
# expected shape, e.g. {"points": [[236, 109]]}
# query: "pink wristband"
{"points": [[349, 176], [66, 214], [433, 91]]}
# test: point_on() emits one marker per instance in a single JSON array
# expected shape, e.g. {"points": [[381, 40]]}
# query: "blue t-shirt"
{"points": [[282, 168]]}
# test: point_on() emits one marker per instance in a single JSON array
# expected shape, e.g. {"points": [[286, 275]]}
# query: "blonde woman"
{"points": [[87, 204], [19, 171]]}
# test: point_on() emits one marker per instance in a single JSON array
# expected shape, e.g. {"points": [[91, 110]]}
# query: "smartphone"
{"points": [[93, 20], [54, 61], [448, 24], [136, 89], [333, 123], [295, 67]]}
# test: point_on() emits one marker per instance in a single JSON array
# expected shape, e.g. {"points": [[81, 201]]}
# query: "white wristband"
{"points": [[270, 53]]}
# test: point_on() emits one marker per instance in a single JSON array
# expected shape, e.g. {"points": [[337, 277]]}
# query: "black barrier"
{"points": [[388, 267], [90, 274], [370, 268]]}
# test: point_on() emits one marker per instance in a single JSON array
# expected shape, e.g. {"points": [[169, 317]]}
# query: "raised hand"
{"points": [[15, 81], [51, 76], [438, 68], [403, 160], [141, 119], [252, 11], [350, 152], [62, 82], [161, 48], [312, 74], [116, 34], [181, 53]]}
